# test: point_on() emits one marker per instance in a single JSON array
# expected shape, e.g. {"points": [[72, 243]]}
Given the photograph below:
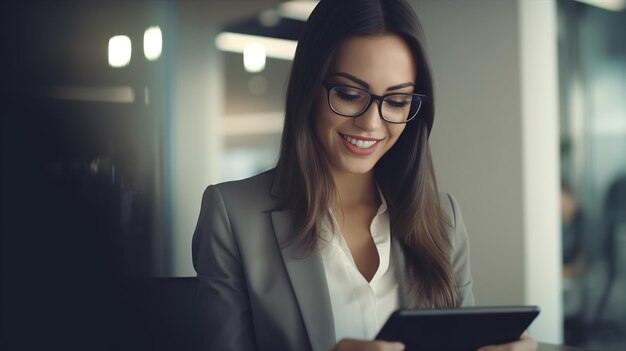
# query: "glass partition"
{"points": [[592, 64]]}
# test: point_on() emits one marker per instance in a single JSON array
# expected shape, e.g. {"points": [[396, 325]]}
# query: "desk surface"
{"points": [[551, 347]]}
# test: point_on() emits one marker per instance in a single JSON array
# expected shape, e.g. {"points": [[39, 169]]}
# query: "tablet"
{"points": [[457, 328]]}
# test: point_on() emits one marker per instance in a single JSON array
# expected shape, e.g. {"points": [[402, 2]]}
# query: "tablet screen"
{"points": [[457, 328]]}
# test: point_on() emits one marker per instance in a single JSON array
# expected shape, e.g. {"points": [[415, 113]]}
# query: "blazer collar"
{"points": [[308, 281], [306, 275], [278, 189]]}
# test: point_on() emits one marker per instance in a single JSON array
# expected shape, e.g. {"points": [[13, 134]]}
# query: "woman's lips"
{"points": [[359, 145]]}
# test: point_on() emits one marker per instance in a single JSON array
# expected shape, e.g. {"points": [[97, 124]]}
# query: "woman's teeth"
{"points": [[361, 144]]}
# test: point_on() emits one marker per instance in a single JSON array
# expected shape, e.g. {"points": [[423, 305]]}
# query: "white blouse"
{"points": [[360, 308]]}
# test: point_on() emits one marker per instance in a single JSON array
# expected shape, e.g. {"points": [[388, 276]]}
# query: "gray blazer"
{"points": [[256, 293]]}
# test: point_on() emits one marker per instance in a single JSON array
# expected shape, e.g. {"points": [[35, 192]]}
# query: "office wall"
{"points": [[495, 143]]}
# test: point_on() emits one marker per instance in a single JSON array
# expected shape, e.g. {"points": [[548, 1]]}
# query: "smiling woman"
{"points": [[318, 252], [354, 145]]}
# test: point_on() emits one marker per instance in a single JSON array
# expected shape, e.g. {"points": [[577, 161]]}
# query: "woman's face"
{"points": [[380, 65]]}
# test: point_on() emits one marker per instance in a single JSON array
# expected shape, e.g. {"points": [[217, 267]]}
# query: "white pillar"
{"points": [[196, 127], [540, 142]]}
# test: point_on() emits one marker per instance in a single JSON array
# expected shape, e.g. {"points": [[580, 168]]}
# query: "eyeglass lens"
{"points": [[349, 101]]}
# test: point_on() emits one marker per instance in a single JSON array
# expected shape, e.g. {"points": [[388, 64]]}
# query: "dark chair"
{"points": [[161, 314]]}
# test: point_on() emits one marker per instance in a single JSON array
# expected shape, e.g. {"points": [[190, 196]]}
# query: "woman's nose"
{"points": [[371, 118]]}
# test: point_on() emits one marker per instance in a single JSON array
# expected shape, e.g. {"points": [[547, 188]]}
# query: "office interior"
{"points": [[117, 114]]}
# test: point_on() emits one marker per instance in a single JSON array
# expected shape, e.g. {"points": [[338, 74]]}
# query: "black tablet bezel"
{"points": [[458, 328]]}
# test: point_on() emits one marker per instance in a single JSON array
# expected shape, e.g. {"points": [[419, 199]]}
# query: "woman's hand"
{"points": [[525, 343], [367, 345]]}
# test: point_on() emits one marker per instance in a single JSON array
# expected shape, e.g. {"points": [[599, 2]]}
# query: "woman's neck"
{"points": [[355, 189]]}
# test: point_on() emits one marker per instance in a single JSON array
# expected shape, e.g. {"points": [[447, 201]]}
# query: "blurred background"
{"points": [[116, 115]]}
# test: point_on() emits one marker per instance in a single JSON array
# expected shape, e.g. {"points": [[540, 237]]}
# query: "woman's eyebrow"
{"points": [[352, 78], [400, 86], [366, 85]]}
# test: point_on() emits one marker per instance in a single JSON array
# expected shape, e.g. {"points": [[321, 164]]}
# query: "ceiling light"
{"points": [[297, 9], [276, 48], [254, 57], [269, 18], [152, 43], [120, 49]]}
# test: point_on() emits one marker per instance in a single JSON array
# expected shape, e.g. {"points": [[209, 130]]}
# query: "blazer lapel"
{"points": [[308, 280]]}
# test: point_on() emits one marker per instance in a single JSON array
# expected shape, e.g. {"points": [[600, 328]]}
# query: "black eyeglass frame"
{"points": [[373, 97]]}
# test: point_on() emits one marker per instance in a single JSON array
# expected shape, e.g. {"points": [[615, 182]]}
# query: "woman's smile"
{"points": [[359, 145]]}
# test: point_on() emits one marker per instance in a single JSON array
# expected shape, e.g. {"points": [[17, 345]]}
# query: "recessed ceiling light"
{"points": [[120, 50], [254, 57], [276, 48], [152, 43]]}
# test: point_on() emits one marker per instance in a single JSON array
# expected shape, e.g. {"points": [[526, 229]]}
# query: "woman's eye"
{"points": [[349, 94], [397, 101]]}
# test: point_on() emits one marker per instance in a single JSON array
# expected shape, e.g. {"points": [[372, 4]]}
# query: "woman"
{"points": [[349, 226]]}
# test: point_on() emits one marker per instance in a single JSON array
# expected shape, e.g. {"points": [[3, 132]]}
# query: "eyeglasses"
{"points": [[350, 101]]}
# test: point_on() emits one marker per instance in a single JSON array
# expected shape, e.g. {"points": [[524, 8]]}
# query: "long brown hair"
{"points": [[404, 174]]}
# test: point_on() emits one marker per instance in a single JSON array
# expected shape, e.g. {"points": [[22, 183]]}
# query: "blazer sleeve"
{"points": [[223, 304], [460, 252]]}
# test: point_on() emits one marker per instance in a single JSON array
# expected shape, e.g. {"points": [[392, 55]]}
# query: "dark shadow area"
{"points": [[77, 189]]}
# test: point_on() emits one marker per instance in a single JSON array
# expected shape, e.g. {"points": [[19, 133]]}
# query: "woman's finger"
{"points": [[367, 345]]}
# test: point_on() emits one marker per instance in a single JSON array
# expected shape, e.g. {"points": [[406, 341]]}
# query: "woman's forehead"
{"points": [[385, 59]]}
